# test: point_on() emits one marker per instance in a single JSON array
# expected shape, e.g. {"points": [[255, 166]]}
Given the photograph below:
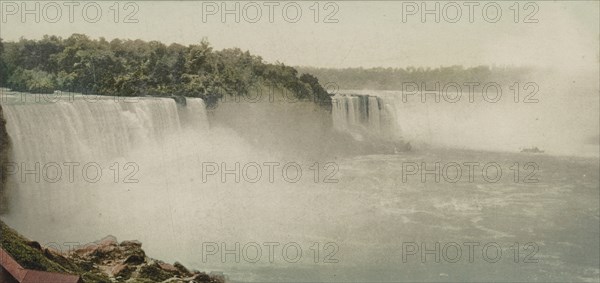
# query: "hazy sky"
{"points": [[366, 34]]}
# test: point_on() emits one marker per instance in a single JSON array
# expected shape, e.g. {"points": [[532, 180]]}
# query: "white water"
{"points": [[364, 116], [368, 213], [81, 129], [53, 141], [560, 124]]}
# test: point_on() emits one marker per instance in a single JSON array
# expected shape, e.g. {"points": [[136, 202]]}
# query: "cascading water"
{"points": [[81, 129], [478, 125], [193, 114], [65, 150], [103, 128], [365, 116], [359, 203]]}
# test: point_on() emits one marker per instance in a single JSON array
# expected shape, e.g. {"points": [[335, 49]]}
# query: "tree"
{"points": [[137, 67]]}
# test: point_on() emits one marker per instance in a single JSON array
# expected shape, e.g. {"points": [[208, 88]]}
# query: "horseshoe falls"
{"points": [[244, 178], [466, 125]]}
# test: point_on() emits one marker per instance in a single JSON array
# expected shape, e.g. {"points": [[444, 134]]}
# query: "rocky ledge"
{"points": [[106, 260]]}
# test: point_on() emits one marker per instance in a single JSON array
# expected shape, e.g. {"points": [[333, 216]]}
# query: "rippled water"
{"points": [[358, 221]]}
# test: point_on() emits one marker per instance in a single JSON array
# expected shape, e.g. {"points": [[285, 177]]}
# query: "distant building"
{"points": [[12, 272]]}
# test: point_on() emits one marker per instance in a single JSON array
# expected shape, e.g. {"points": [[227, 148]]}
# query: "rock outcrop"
{"points": [[126, 261], [106, 260]]}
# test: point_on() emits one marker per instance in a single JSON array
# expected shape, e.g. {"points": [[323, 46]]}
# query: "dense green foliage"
{"points": [[139, 68], [393, 78]]}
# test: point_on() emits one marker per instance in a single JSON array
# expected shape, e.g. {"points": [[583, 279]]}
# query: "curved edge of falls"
{"points": [[82, 129]]}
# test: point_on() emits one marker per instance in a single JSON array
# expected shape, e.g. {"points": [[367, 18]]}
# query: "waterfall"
{"points": [[82, 129], [193, 114], [102, 130], [365, 116], [473, 125], [98, 129]]}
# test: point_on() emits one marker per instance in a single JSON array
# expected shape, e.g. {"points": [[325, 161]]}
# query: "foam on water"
{"points": [[368, 213], [560, 124]]}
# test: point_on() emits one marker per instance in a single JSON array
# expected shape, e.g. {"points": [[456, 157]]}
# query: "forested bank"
{"points": [[139, 68], [397, 78]]}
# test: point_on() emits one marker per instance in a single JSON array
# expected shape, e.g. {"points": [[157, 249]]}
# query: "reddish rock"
{"points": [[108, 241], [118, 269], [168, 267]]}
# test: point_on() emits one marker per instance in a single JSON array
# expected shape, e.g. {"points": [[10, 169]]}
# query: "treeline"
{"points": [[393, 78], [139, 68]]}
